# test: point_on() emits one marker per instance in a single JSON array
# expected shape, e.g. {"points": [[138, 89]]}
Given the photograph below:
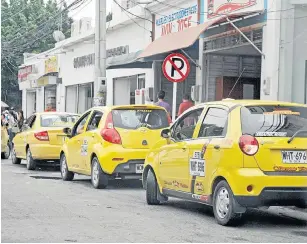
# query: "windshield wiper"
{"points": [[295, 134]]}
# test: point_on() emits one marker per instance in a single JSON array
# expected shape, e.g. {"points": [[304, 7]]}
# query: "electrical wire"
{"points": [[46, 22], [130, 12], [48, 33]]}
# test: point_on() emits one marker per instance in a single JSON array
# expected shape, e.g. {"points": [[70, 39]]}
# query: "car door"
{"points": [[22, 139], [208, 149], [76, 145], [173, 158], [91, 137]]}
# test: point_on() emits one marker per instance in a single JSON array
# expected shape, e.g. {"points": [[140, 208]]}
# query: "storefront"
{"points": [[225, 53]]}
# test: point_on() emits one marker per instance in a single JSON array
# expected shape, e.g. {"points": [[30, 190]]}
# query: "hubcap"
{"points": [[7, 151], [63, 166], [28, 157], [222, 203], [95, 173]]}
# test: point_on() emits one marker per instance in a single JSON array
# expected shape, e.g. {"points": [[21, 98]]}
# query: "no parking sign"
{"points": [[176, 67]]}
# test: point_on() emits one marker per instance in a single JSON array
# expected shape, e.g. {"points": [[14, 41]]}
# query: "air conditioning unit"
{"points": [[85, 24], [75, 28], [140, 96]]}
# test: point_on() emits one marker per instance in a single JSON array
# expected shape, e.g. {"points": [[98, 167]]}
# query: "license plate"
{"points": [[139, 168], [294, 157]]}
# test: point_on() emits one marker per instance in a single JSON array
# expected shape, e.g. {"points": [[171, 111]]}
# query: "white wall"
{"points": [[71, 75], [285, 42]]}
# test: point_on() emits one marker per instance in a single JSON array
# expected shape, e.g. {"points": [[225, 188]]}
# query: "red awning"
{"points": [[177, 40], [186, 38]]}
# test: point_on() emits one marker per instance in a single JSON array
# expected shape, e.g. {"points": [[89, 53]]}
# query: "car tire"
{"points": [[223, 205], [6, 155], [31, 163], [98, 178], [151, 189], [15, 160], [65, 173]]}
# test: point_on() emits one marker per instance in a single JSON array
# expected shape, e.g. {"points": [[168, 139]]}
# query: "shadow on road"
{"points": [[251, 219], [114, 184]]}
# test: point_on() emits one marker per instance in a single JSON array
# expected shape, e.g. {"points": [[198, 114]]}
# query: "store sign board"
{"points": [[46, 80], [175, 20], [117, 51], [24, 72], [216, 8], [84, 61], [51, 65]]}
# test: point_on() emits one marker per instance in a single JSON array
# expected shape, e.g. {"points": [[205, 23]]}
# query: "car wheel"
{"points": [[151, 189], [98, 177], [15, 160], [6, 154], [65, 173], [31, 163], [223, 205]]}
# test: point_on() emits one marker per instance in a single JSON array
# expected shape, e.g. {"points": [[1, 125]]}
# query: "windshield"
{"points": [[134, 118], [274, 121], [58, 120]]}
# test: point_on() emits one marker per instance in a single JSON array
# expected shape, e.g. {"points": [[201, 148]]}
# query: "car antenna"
{"points": [[235, 83]]}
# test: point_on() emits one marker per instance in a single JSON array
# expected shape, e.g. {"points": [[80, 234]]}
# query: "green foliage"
{"points": [[27, 27]]}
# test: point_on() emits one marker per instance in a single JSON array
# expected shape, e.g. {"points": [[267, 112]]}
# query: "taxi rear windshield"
{"points": [[58, 120], [274, 121], [132, 119]]}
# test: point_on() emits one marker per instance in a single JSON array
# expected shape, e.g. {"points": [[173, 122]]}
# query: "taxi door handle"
{"points": [[79, 141], [217, 147], [184, 148]]}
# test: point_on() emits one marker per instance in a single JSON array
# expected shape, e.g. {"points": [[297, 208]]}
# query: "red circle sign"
{"points": [[176, 67]]}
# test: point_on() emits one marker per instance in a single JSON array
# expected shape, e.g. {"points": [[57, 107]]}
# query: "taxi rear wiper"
{"points": [[295, 134]]}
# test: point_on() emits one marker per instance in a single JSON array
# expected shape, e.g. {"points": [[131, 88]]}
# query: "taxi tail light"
{"points": [[42, 136], [109, 133], [249, 145]]}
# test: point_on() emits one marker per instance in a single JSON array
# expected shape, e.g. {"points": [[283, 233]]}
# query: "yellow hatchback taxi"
{"points": [[41, 138], [5, 145], [111, 142], [232, 155]]}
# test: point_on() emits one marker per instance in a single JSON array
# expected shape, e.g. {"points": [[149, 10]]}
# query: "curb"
{"points": [[304, 210]]}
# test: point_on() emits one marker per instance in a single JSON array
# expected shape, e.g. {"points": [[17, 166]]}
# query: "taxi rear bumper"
{"points": [[45, 151], [276, 196]]}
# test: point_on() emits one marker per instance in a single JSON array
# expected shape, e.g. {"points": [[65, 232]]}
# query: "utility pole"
{"points": [[100, 91]]}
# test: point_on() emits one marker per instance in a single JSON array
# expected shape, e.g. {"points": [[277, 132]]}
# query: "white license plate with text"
{"points": [[294, 157], [139, 168]]}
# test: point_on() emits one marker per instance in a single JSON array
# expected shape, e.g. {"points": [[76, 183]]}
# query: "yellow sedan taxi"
{"points": [[111, 142], [232, 155], [5, 145], [41, 138]]}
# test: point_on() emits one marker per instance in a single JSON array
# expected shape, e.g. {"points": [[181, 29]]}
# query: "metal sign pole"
{"points": [[174, 101]]}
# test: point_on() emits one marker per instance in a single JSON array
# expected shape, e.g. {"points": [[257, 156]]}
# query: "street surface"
{"points": [[39, 207]]}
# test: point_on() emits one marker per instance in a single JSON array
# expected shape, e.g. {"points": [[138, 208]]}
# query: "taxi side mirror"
{"points": [[165, 133], [67, 131]]}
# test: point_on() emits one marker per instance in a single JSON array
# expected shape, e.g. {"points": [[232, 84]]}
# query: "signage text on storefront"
{"points": [[117, 51], [51, 65], [24, 72], [84, 61], [216, 8], [177, 21]]}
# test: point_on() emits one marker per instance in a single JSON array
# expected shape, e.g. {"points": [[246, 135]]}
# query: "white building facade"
{"points": [[272, 68]]}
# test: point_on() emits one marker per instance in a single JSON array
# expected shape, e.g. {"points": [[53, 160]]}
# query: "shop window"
{"points": [[79, 98], [141, 81], [71, 99], [85, 97], [50, 98]]}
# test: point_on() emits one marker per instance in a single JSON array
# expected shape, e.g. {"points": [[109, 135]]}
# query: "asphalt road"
{"points": [[39, 207]]}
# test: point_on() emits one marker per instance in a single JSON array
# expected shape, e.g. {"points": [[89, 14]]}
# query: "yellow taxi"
{"points": [[5, 145], [232, 154], [41, 138], [111, 142]]}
